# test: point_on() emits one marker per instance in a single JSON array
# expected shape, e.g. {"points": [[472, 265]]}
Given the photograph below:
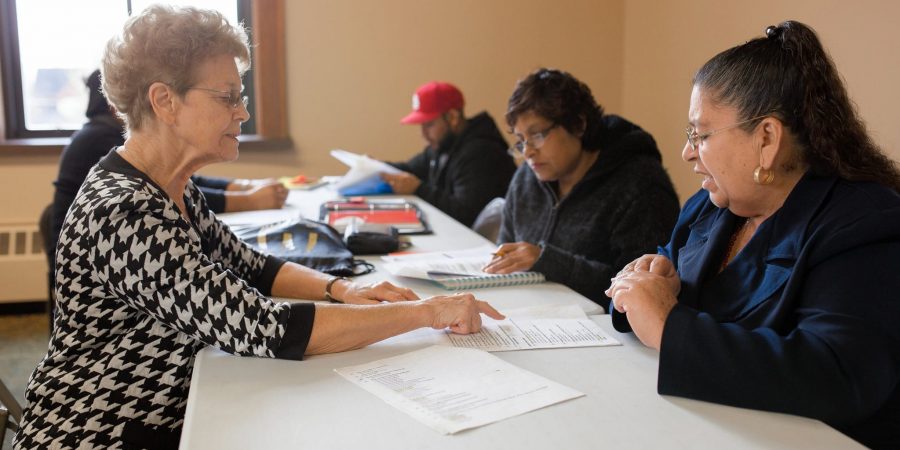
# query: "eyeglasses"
{"points": [[535, 140], [695, 139], [234, 99]]}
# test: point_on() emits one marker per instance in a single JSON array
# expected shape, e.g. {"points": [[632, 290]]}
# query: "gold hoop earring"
{"points": [[763, 176]]}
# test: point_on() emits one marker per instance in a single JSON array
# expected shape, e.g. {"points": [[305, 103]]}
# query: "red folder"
{"points": [[401, 214], [387, 216]]}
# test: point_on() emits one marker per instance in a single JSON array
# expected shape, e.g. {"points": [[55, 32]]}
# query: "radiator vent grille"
{"points": [[20, 242], [23, 266]]}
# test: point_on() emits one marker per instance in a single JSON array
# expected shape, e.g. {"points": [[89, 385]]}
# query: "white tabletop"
{"points": [[237, 402]]}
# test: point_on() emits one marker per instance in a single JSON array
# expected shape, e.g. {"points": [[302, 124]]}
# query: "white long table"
{"points": [[245, 403]]}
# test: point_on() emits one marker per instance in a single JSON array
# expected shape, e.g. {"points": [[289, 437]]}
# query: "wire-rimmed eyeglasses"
{"points": [[234, 99], [695, 139], [534, 140]]}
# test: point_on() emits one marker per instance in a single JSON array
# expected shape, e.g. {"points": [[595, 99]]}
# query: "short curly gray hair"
{"points": [[165, 44]]}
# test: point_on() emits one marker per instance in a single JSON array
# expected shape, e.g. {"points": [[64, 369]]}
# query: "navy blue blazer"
{"points": [[804, 320]]}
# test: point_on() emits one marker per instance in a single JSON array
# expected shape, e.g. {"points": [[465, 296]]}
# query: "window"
{"points": [[49, 47]]}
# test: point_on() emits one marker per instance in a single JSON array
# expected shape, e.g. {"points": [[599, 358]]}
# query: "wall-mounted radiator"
{"points": [[23, 266]]}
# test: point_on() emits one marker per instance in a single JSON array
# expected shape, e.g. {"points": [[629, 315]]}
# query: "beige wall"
{"points": [[666, 42], [353, 64], [25, 184]]}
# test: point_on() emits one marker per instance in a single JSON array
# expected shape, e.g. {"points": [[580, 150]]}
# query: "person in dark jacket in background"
{"points": [[465, 164], [593, 194]]}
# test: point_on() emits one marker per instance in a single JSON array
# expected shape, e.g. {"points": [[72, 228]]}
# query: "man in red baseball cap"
{"points": [[432, 100], [464, 164]]}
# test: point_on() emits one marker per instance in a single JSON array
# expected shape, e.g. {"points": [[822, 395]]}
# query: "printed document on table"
{"points": [[454, 389], [529, 334], [468, 262], [525, 318]]}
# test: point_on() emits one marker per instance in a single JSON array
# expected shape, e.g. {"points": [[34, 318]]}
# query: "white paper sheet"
{"points": [[239, 220], [428, 336], [484, 250], [361, 168], [467, 262], [431, 269], [530, 334], [454, 389], [528, 328]]}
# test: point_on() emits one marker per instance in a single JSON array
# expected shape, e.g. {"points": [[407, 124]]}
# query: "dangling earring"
{"points": [[763, 176]]}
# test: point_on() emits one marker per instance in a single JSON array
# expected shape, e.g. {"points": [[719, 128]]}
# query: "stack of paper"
{"points": [[364, 176], [457, 270]]}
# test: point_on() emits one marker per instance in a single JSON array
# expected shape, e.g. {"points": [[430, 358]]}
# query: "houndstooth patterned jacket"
{"points": [[140, 292]]}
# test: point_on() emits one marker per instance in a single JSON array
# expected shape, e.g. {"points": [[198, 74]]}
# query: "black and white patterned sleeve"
{"points": [[150, 258], [256, 268]]}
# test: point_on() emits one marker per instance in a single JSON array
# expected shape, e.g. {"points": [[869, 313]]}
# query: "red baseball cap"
{"points": [[431, 100]]}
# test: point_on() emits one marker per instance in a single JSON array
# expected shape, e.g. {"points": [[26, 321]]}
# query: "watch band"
{"points": [[328, 286]]}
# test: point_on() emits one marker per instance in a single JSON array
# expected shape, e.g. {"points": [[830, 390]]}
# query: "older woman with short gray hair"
{"points": [[147, 276]]}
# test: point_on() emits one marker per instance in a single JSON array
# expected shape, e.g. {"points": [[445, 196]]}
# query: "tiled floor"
{"points": [[23, 342]]}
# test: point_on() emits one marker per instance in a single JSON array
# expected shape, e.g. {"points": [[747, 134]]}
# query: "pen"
{"points": [[498, 254]]}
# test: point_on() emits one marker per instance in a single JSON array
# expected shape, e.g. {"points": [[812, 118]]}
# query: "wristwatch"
{"points": [[328, 286]]}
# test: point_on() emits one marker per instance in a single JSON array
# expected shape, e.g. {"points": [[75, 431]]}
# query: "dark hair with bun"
{"points": [[788, 75], [560, 98]]}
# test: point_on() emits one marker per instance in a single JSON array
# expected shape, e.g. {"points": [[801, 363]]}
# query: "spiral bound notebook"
{"points": [[456, 270], [456, 283]]}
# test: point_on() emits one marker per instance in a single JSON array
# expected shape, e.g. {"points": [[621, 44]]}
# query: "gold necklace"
{"points": [[732, 241]]}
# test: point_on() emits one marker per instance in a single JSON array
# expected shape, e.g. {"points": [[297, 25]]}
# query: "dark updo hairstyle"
{"points": [[788, 75], [560, 98]]}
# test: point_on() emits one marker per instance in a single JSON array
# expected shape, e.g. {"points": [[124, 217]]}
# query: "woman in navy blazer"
{"points": [[779, 289]]}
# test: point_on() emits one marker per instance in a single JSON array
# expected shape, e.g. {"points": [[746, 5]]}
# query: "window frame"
{"points": [[266, 87]]}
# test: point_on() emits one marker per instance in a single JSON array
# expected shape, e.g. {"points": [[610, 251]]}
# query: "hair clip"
{"points": [[772, 32]]}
